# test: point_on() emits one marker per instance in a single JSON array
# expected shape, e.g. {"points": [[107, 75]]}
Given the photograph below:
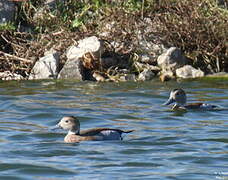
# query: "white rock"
{"points": [[91, 44], [146, 75], [7, 75], [46, 67], [188, 71], [171, 59]]}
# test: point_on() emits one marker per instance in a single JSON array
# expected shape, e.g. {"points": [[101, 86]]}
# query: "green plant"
{"points": [[7, 26]]}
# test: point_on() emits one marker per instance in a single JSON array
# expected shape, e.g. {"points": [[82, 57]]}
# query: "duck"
{"points": [[178, 96], [74, 135]]}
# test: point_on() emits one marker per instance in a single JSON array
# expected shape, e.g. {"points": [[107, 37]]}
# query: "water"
{"points": [[165, 144]]}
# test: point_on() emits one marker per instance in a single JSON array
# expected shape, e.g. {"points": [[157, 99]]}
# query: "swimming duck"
{"points": [[74, 135], [178, 96]]}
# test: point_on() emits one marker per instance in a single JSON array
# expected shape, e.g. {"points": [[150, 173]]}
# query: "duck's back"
{"points": [[105, 133]]}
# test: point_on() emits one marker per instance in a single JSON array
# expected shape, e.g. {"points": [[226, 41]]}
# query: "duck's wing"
{"points": [[200, 106], [104, 133], [97, 131]]}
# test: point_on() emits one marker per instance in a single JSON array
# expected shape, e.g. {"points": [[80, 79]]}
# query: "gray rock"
{"points": [[171, 59], [46, 67], [146, 75], [73, 69], [188, 71], [7, 10]]}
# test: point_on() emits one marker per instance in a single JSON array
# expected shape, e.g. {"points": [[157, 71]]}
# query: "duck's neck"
{"points": [[70, 132], [178, 106]]}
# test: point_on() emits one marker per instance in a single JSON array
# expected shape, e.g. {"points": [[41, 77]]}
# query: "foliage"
{"points": [[7, 26]]}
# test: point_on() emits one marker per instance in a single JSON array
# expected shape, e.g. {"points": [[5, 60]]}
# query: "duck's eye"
{"points": [[66, 121]]}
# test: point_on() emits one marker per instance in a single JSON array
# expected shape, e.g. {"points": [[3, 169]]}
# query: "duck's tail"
{"points": [[128, 131]]}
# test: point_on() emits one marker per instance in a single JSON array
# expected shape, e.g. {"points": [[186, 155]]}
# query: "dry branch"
{"points": [[16, 57]]}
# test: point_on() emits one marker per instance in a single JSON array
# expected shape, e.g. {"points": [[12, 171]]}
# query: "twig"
{"points": [[16, 57]]}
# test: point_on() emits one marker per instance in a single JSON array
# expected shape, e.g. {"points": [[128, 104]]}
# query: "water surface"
{"points": [[165, 145]]}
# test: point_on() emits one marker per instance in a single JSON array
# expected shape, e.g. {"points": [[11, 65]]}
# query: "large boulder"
{"points": [[171, 59], [82, 59], [46, 67], [188, 71], [7, 10]]}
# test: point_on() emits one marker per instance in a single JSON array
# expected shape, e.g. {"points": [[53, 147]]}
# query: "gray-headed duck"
{"points": [[178, 96], [72, 125]]}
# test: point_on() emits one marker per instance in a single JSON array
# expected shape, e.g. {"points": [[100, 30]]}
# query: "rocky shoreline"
{"points": [[103, 56]]}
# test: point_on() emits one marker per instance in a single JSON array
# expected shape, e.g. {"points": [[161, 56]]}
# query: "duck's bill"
{"points": [[169, 101], [55, 127]]}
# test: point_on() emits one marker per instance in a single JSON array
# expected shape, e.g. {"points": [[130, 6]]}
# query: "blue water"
{"points": [[165, 144]]}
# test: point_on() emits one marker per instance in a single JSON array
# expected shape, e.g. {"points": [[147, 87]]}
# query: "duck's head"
{"points": [[70, 123], [177, 96]]}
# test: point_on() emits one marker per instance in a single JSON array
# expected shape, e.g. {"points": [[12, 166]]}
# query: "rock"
{"points": [[7, 75], [7, 10], [73, 69], [166, 76], [46, 67], [89, 50], [146, 75], [82, 59], [188, 71], [171, 59], [91, 44]]}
